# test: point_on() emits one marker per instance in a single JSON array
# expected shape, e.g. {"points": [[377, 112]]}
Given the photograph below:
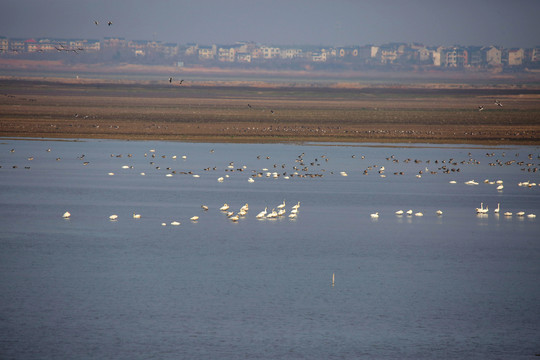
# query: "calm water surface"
{"points": [[456, 286]]}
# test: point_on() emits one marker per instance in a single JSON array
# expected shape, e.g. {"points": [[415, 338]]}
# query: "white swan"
{"points": [[282, 205], [175, 223], [439, 212], [273, 214], [113, 217], [498, 209], [508, 213], [374, 215], [136, 216], [531, 216], [194, 218], [296, 206], [292, 215], [521, 213], [66, 215], [225, 207], [262, 213], [409, 212], [418, 214], [399, 212]]}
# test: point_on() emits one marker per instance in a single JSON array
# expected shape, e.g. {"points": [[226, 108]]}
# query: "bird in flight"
{"points": [[170, 79], [498, 103], [480, 108], [109, 23], [181, 81], [96, 22]]}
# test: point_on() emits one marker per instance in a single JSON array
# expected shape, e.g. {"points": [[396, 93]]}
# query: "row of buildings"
{"points": [[250, 52]]}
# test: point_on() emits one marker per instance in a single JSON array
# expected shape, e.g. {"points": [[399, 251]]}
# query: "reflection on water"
{"points": [[456, 285]]}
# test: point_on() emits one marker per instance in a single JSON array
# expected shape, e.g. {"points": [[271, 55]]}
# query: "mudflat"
{"points": [[240, 113]]}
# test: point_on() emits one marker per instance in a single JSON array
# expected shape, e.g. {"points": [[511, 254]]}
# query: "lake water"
{"points": [[453, 286]]}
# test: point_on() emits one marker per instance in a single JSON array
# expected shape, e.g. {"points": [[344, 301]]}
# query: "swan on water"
{"points": [[498, 209], [374, 215], [508, 213], [409, 212], [113, 217], [175, 223], [66, 215], [418, 214], [282, 205], [194, 218], [136, 216], [439, 212], [262, 213], [225, 207], [399, 212]]}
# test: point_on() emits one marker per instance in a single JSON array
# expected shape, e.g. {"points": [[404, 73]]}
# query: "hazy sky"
{"points": [[509, 23]]}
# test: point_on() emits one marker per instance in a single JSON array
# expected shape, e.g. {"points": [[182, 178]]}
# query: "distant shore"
{"points": [[258, 112]]}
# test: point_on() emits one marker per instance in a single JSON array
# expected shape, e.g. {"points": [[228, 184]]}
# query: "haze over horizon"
{"points": [[280, 22]]}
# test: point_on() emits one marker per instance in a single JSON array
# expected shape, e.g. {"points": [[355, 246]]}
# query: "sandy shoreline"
{"points": [[253, 114]]}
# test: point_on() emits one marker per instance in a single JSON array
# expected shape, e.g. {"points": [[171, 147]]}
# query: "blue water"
{"points": [[456, 286]]}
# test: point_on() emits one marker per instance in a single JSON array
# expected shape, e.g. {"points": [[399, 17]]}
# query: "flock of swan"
{"points": [[482, 211], [226, 210]]}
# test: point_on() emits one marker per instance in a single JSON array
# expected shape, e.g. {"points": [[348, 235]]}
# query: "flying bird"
{"points": [[498, 103], [181, 81], [480, 108], [96, 22], [109, 23], [170, 79]]}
